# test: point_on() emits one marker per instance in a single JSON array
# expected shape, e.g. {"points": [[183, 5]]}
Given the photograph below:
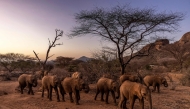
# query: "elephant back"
{"points": [[22, 79], [104, 83]]}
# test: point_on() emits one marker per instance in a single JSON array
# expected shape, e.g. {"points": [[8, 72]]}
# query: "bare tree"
{"points": [[129, 29], [59, 34]]}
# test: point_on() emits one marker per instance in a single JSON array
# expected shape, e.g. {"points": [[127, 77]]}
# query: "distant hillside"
{"points": [[84, 58]]}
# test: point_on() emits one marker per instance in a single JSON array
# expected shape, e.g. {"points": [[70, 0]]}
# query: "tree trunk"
{"points": [[122, 69]]}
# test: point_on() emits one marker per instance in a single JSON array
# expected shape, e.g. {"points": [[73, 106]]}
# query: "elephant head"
{"points": [[115, 88], [82, 85], [33, 80], [164, 82], [144, 92]]}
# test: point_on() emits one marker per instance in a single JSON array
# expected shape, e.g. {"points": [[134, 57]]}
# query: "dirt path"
{"points": [[167, 99]]}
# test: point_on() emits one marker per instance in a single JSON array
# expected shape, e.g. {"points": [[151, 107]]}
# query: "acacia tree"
{"points": [[63, 61], [43, 64], [129, 29], [11, 61]]}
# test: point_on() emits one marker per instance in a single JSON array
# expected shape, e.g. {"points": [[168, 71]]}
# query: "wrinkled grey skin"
{"points": [[48, 83], [155, 81], [132, 91], [29, 81], [72, 85], [106, 85]]}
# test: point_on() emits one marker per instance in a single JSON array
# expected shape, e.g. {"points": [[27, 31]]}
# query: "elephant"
{"points": [[132, 78], [49, 82], [72, 85], [28, 80], [155, 81], [105, 85], [132, 91]]}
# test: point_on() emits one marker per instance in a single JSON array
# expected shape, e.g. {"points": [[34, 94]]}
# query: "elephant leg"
{"points": [[141, 101], [48, 89], [102, 95], [57, 94], [113, 96], [97, 92], [71, 98], [30, 90], [21, 89], [62, 93], [77, 97], [158, 88], [121, 102], [42, 91], [124, 104], [107, 95], [132, 101], [50, 94]]}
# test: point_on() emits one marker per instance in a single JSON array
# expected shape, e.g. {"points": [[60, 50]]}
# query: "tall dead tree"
{"points": [[43, 64]]}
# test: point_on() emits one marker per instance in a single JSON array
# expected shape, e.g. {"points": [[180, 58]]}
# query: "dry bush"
{"points": [[60, 72], [185, 80], [172, 85]]}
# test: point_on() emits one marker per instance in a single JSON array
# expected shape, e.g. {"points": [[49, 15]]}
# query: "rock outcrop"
{"points": [[185, 39]]}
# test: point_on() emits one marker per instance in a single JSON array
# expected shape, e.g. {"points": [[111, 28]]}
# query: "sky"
{"points": [[26, 25]]}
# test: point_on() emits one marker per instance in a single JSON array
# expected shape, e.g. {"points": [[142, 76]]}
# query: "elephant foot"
{"points": [[77, 103], [71, 101], [102, 99]]}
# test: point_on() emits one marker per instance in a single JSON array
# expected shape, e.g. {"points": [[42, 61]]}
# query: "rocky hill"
{"points": [[158, 52], [185, 39]]}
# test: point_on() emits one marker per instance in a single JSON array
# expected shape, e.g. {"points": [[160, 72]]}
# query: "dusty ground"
{"points": [[11, 99]]}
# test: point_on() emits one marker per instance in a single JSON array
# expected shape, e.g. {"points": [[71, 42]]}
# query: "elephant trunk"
{"points": [[35, 83], [165, 84], [86, 88]]}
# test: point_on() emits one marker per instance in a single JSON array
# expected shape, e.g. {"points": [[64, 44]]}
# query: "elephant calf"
{"points": [[155, 81], [105, 85], [73, 85], [29, 81], [49, 82], [132, 91]]}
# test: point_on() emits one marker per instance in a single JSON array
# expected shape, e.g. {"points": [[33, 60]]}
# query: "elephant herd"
{"points": [[128, 87]]}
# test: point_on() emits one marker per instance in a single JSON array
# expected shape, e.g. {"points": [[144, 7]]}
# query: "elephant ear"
{"points": [[113, 85]]}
